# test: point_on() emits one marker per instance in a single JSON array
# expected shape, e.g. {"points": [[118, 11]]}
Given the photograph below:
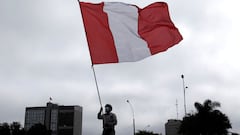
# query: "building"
{"points": [[61, 120], [172, 127]]}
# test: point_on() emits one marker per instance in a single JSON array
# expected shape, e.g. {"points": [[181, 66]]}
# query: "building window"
{"points": [[66, 119], [54, 119], [33, 117]]}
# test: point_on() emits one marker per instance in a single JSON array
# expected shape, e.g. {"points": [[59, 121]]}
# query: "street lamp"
{"points": [[133, 116], [184, 94]]}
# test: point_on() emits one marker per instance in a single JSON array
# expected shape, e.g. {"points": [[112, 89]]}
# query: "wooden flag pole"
{"points": [[99, 97]]}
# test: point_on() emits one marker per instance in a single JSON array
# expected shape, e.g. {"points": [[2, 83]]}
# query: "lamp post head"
{"points": [[128, 101], [182, 76]]}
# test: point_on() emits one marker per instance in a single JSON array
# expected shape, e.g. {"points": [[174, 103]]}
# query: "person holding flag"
{"points": [[118, 32], [109, 120]]}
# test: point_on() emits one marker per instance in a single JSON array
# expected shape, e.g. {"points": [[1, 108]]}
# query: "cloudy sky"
{"points": [[44, 53]]}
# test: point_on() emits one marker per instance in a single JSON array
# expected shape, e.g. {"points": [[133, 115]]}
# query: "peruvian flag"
{"points": [[118, 32]]}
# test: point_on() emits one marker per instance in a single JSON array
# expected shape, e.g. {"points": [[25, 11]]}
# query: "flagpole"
{"points": [[95, 78]]}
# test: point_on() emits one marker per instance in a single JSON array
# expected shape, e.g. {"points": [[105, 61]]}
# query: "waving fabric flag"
{"points": [[119, 32]]}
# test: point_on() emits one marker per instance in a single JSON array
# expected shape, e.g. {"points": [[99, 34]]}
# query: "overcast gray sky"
{"points": [[44, 53]]}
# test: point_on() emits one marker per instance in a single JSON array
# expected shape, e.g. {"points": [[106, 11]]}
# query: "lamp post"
{"points": [[133, 116], [184, 95]]}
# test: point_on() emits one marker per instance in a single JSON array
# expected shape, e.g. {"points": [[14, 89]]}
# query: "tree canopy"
{"points": [[206, 121], [11, 129]]}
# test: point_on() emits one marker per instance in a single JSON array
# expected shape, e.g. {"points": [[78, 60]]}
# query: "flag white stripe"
{"points": [[123, 22]]}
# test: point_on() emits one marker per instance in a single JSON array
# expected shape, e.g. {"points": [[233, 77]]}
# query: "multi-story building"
{"points": [[61, 120], [172, 127]]}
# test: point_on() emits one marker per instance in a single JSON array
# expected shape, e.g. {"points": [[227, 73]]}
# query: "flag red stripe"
{"points": [[156, 27], [99, 36]]}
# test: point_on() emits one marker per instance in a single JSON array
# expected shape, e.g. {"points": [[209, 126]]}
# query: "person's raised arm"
{"points": [[99, 116]]}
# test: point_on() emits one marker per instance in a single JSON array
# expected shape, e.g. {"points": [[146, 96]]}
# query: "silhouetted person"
{"points": [[109, 120]]}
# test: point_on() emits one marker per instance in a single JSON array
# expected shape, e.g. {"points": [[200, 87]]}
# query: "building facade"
{"points": [[60, 120], [172, 127]]}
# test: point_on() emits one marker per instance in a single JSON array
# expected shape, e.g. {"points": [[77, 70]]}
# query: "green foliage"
{"points": [[206, 121]]}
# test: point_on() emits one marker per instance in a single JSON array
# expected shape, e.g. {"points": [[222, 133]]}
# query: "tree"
{"points": [[38, 129], [144, 132], [206, 121], [4, 129], [16, 129]]}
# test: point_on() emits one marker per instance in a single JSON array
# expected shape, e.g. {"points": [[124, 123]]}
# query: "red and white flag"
{"points": [[119, 32]]}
